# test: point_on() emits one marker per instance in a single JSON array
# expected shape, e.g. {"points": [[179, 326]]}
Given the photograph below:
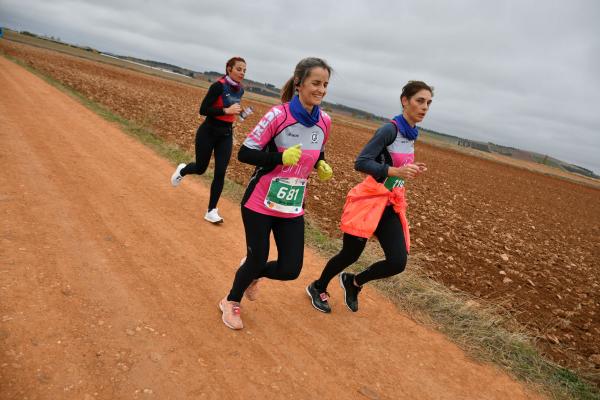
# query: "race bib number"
{"points": [[286, 195], [392, 182]]}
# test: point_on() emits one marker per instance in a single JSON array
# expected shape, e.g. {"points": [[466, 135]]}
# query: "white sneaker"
{"points": [[213, 216], [176, 177]]}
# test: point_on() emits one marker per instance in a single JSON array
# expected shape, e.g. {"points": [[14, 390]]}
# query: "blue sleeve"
{"points": [[367, 159]]}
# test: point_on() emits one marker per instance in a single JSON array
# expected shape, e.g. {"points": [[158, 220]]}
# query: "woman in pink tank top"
{"points": [[285, 146]]}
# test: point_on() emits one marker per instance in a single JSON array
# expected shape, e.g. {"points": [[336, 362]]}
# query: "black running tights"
{"points": [[289, 238], [209, 139], [391, 238]]}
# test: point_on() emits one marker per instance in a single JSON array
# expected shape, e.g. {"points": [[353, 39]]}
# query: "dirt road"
{"points": [[109, 283]]}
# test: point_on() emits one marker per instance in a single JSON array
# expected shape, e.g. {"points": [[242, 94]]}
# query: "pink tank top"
{"points": [[285, 181]]}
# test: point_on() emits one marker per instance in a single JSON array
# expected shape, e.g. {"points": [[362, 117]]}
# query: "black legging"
{"points": [[391, 238], [289, 238], [211, 138]]}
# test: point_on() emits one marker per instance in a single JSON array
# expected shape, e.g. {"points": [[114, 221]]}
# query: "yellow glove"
{"points": [[324, 171], [291, 155]]}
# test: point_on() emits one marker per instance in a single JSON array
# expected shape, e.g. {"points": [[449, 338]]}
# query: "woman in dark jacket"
{"points": [[220, 106]]}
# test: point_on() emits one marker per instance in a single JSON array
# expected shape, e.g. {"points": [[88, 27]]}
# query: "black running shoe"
{"points": [[318, 298], [350, 290]]}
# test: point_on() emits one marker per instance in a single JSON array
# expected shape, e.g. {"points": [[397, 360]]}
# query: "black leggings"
{"points": [[391, 238], [211, 138], [289, 238]]}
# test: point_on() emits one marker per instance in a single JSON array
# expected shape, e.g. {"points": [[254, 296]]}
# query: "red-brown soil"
{"points": [[501, 233], [110, 282]]}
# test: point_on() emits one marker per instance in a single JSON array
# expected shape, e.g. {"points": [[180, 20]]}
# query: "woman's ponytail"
{"points": [[287, 92]]}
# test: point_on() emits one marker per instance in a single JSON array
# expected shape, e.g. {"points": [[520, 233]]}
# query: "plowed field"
{"points": [[498, 232]]}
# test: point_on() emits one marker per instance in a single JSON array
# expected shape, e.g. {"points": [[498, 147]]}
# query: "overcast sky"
{"points": [[519, 73]]}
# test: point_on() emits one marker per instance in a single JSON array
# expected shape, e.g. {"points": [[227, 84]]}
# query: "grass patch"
{"points": [[484, 331]]}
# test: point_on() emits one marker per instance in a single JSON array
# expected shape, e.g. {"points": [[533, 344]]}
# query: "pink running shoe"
{"points": [[231, 313]]}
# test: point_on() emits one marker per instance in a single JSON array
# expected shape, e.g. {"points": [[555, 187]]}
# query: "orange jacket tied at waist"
{"points": [[364, 207]]}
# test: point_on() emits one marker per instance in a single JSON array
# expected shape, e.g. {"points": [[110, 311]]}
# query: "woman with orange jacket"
{"points": [[377, 205]]}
